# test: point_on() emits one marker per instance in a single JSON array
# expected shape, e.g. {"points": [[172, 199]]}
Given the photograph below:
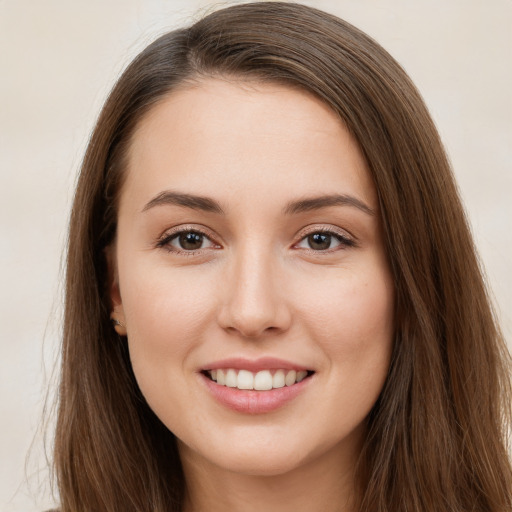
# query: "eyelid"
{"points": [[346, 239], [164, 240]]}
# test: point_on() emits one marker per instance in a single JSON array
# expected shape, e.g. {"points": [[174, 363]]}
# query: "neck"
{"points": [[324, 484]]}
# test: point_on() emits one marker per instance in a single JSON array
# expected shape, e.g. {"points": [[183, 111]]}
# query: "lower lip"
{"points": [[254, 402]]}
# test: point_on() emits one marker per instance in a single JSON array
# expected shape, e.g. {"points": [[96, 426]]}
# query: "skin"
{"points": [[255, 287]]}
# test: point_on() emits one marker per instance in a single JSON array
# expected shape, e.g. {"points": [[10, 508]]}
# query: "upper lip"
{"points": [[254, 365]]}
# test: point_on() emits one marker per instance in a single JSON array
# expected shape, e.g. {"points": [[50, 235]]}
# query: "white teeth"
{"points": [[301, 375], [245, 380], [290, 378], [278, 379], [231, 378], [263, 381], [260, 381]]}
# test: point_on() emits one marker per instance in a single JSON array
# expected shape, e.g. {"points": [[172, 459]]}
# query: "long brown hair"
{"points": [[437, 437]]}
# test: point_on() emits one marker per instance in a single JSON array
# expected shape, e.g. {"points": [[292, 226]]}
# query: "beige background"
{"points": [[58, 59]]}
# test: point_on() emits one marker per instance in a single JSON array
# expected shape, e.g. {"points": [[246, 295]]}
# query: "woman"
{"points": [[273, 300]]}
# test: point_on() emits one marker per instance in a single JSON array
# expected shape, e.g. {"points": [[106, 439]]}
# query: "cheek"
{"points": [[167, 312], [353, 324], [353, 313], [167, 316]]}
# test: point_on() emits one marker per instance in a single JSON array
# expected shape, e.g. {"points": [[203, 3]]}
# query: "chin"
{"points": [[264, 458], [260, 465]]}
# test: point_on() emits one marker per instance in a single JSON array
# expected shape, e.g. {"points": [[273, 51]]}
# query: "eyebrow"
{"points": [[193, 202], [210, 205], [316, 203]]}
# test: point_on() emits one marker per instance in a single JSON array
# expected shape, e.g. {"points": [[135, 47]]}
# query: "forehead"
{"points": [[217, 136]]}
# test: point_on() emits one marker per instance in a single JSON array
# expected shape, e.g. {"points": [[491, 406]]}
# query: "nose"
{"points": [[254, 302]]}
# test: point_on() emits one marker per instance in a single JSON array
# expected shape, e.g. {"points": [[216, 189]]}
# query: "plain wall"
{"points": [[58, 60]]}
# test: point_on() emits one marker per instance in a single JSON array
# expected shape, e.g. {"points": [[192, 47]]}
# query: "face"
{"points": [[249, 255]]}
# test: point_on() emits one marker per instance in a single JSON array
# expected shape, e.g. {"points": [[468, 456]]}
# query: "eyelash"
{"points": [[165, 241], [167, 238], [344, 241]]}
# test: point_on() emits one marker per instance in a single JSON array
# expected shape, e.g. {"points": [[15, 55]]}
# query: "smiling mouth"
{"points": [[263, 380]]}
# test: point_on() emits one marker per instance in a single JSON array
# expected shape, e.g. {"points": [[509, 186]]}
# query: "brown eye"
{"points": [[325, 241], [186, 241], [190, 240], [319, 241]]}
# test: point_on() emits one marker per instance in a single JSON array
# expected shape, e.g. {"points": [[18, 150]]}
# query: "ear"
{"points": [[116, 304]]}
